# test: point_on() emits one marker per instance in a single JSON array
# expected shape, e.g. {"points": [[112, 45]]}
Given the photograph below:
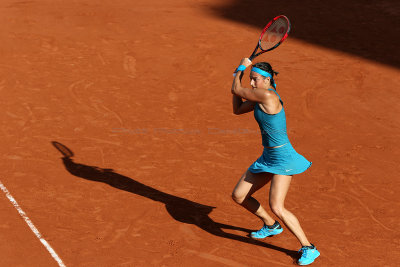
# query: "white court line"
{"points": [[30, 224]]}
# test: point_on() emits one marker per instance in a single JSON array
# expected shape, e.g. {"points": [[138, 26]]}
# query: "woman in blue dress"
{"points": [[279, 160]]}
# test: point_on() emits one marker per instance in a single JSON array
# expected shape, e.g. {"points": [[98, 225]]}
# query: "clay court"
{"points": [[136, 94]]}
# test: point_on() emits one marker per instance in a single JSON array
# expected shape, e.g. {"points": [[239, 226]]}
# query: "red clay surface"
{"points": [[143, 88]]}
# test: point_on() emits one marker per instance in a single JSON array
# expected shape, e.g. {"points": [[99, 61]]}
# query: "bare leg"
{"points": [[279, 188], [242, 194]]}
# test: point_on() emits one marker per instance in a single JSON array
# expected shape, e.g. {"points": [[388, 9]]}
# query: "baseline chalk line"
{"points": [[32, 226]]}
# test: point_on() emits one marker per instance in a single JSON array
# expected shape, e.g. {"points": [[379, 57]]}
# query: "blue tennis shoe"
{"points": [[308, 255], [266, 231]]}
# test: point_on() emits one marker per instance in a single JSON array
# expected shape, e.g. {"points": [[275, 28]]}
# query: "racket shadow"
{"points": [[181, 209]]}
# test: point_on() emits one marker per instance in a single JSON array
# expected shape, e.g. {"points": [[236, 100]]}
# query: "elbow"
{"points": [[236, 112]]}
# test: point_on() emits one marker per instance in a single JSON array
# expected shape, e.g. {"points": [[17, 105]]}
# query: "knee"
{"points": [[238, 198], [277, 209]]}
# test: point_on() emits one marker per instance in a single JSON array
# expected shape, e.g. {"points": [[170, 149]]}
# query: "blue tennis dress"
{"points": [[284, 159]]}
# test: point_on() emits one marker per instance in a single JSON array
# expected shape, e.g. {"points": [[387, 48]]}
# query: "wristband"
{"points": [[241, 68]]}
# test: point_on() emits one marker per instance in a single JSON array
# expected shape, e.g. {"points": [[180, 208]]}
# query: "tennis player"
{"points": [[279, 160]]}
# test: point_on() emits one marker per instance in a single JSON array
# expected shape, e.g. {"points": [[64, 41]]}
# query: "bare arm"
{"points": [[240, 107], [255, 95]]}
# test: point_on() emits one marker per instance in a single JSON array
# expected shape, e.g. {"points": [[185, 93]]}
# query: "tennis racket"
{"points": [[276, 31]]}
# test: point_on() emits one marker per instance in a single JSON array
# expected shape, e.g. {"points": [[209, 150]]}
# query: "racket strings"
{"points": [[274, 34]]}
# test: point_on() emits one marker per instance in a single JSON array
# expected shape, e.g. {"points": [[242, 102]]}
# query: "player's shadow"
{"points": [[180, 209]]}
